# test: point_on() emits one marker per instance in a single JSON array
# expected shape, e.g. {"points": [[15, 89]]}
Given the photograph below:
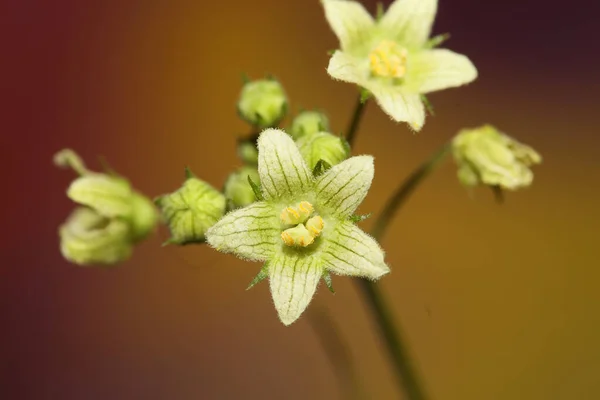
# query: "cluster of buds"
{"points": [[110, 219]]}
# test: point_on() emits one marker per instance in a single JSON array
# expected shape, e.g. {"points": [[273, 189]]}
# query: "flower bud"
{"points": [[90, 238], [307, 123], [191, 210], [486, 156], [322, 146], [248, 152], [113, 218], [262, 103], [238, 191]]}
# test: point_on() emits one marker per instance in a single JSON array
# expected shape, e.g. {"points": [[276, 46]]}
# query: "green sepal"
{"points": [[365, 95], [428, 105], [331, 52], [437, 40], [245, 78], [256, 189], [261, 276], [346, 146], [328, 281], [380, 12], [358, 218], [188, 173], [187, 242], [321, 167], [107, 167]]}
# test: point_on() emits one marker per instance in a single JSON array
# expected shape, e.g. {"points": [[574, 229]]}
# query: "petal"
{"points": [[344, 67], [252, 232], [440, 69], [282, 170], [110, 196], [343, 187], [293, 279], [350, 22], [399, 104], [409, 21], [350, 251]]}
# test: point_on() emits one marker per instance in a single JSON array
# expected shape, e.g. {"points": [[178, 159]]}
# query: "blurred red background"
{"points": [[498, 302]]}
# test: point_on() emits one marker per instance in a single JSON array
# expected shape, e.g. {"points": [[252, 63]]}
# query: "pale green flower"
{"points": [[191, 210], [89, 238], [114, 216], [323, 146], [307, 123], [262, 103], [238, 191], [486, 156], [392, 58], [301, 228]]}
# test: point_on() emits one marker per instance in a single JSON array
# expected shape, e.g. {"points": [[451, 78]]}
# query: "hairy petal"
{"points": [[283, 172], [409, 21], [440, 69], [399, 104], [343, 187], [350, 251], [293, 279], [251, 233], [350, 22], [344, 67]]}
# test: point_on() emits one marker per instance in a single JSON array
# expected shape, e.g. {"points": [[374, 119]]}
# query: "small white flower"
{"points": [[301, 228], [392, 58]]}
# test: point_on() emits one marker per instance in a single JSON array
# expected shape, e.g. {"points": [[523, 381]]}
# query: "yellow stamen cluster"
{"points": [[305, 230], [388, 60]]}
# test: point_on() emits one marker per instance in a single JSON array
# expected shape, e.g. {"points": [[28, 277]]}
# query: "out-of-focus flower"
{"points": [[391, 56]]}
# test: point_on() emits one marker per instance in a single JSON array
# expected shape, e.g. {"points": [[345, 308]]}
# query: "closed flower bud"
{"points": [[191, 210], [262, 103], [322, 146], [486, 156], [113, 217], [307, 123], [247, 152], [89, 238], [238, 191]]}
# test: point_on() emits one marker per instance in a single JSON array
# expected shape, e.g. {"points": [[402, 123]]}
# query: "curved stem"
{"points": [[406, 189], [406, 373], [356, 117]]}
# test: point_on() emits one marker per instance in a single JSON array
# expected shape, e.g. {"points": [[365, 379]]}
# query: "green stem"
{"points": [[356, 117], [337, 350], [406, 189], [406, 373]]}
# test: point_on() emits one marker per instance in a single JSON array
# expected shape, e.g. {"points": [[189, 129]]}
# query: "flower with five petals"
{"points": [[301, 228], [392, 58]]}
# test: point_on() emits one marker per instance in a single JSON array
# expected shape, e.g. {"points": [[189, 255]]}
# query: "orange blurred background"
{"points": [[497, 302]]}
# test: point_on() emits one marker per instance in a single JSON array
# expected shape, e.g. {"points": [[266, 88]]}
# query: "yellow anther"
{"points": [[296, 214], [287, 238], [315, 225], [305, 208], [388, 60], [297, 236]]}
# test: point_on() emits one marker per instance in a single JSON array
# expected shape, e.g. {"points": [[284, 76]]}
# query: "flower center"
{"points": [[388, 60], [305, 227]]}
